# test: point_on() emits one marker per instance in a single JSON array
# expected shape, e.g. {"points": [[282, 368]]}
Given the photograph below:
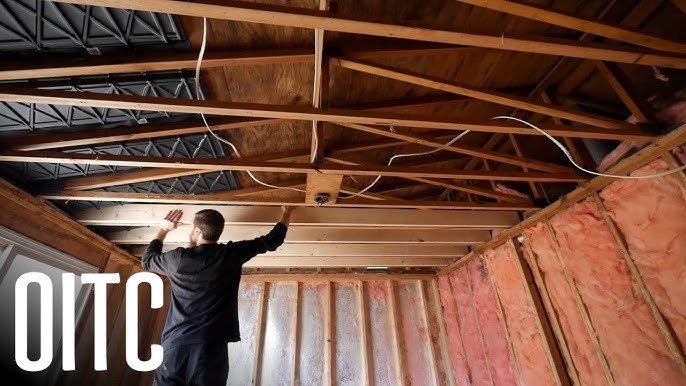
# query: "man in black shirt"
{"points": [[203, 314]]}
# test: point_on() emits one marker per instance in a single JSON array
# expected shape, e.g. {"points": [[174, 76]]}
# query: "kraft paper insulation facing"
{"points": [[577, 336], [526, 337], [501, 366], [283, 360], [651, 215], [629, 336]]}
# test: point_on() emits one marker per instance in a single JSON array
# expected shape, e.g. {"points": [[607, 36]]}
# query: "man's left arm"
{"points": [[153, 259]]}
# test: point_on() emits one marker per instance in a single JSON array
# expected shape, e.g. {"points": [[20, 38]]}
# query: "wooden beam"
{"points": [[518, 151], [583, 311], [672, 163], [344, 251], [481, 94], [154, 198], [308, 18], [253, 110], [552, 314], [259, 333], [280, 167], [681, 4], [532, 293], [395, 321], [121, 134], [426, 315], [442, 333], [463, 149], [326, 217], [366, 342], [619, 83], [175, 60], [647, 154], [317, 235], [568, 20], [634, 19], [124, 177], [671, 341]]}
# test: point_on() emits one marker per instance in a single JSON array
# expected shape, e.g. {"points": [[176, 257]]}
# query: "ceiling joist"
{"points": [[313, 19], [253, 110], [279, 167]]}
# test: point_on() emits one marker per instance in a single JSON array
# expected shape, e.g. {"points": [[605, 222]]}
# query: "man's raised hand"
{"points": [[171, 220]]}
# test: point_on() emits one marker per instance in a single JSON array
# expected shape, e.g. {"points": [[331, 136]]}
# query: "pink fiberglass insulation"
{"points": [[469, 328], [582, 351], [413, 334], [312, 335], [522, 324], [380, 335], [629, 336], [452, 329], [485, 302], [650, 215], [442, 360], [348, 340]]}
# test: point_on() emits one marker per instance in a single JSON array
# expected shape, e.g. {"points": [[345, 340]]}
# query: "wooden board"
{"points": [[328, 184]]}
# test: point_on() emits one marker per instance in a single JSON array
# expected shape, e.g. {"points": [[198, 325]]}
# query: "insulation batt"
{"points": [[629, 336], [381, 335], [577, 337], [414, 337], [469, 326], [651, 215], [526, 337], [452, 328], [434, 322], [492, 328]]}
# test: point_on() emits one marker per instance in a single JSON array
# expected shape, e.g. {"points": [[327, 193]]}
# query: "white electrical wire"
{"points": [[201, 54], [571, 159], [390, 161]]}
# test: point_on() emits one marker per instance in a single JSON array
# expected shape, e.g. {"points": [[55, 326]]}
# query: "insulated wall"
{"points": [[342, 332]]}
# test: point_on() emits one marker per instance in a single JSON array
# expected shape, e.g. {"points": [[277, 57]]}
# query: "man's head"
{"points": [[208, 225]]}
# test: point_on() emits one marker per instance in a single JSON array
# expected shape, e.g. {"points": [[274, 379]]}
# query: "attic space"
{"points": [[483, 192]]}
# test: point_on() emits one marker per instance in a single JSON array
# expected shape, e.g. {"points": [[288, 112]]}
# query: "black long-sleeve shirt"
{"points": [[204, 282]]}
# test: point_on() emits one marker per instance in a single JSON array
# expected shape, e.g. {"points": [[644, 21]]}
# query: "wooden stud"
{"points": [[329, 336], [670, 339], [481, 94], [568, 20], [481, 334], [442, 334], [295, 369], [261, 325], [367, 353], [619, 83], [553, 315], [424, 305], [503, 322], [544, 328], [534, 188], [647, 154], [320, 276], [307, 18], [581, 306], [256, 110], [672, 163], [394, 319]]}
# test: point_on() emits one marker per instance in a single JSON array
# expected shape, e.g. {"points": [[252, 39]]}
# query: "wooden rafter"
{"points": [[162, 61], [620, 84], [567, 20], [253, 110], [308, 18], [281, 167], [482, 94]]}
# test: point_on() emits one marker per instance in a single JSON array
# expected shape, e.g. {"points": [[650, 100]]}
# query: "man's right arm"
{"points": [[246, 250]]}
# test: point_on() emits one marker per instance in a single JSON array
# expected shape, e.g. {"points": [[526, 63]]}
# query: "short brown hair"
{"points": [[211, 224]]}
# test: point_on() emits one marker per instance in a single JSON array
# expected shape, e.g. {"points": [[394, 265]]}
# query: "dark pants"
{"points": [[202, 364]]}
